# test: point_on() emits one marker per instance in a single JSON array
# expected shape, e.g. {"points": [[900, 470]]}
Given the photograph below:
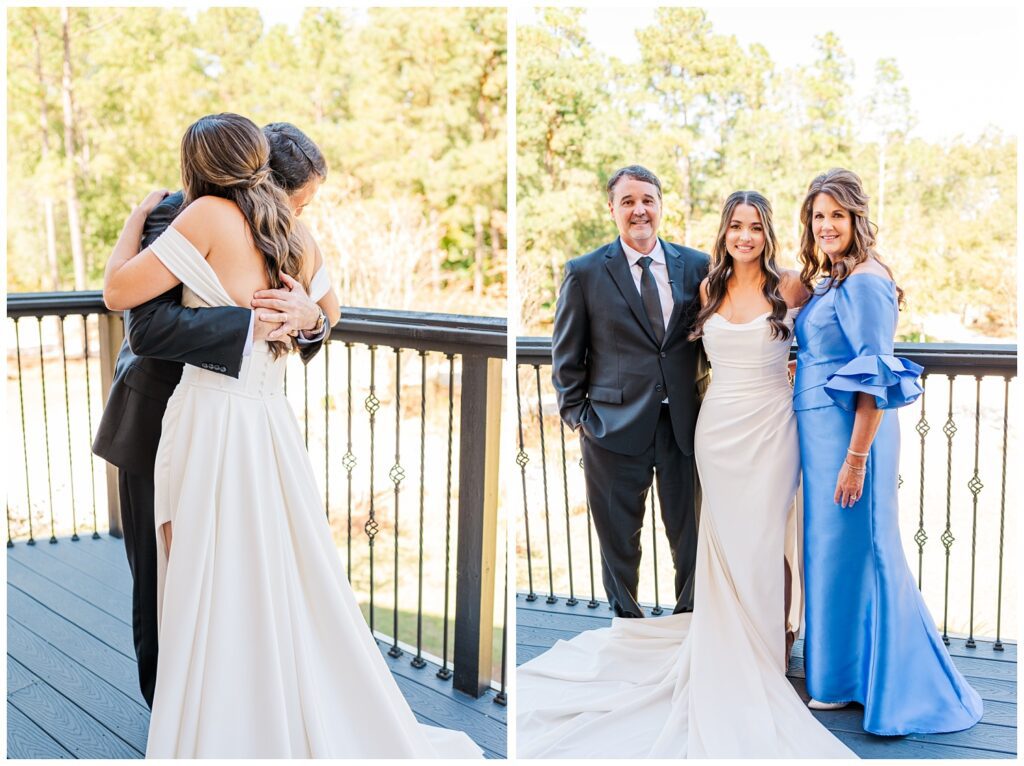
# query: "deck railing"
{"points": [[393, 398], [959, 494]]}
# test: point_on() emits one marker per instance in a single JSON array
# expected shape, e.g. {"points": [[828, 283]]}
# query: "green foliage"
{"points": [[710, 116], [408, 106]]}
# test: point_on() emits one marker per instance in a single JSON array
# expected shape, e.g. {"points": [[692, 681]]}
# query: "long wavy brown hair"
{"points": [[845, 187], [722, 266], [226, 155]]}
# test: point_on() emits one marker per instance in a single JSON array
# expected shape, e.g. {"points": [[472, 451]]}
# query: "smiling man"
{"points": [[625, 373]]}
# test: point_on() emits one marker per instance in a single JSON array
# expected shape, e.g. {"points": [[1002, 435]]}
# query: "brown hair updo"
{"points": [[226, 155]]}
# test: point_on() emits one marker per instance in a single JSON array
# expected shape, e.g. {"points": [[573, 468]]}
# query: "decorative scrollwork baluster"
{"points": [[920, 537], [372, 404], [949, 429], [522, 459]]}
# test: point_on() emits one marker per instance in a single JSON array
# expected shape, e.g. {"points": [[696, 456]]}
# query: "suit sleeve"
{"points": [[309, 348], [569, 343], [213, 338]]}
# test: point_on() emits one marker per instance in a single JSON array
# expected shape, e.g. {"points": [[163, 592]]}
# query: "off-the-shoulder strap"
{"points": [[320, 284], [188, 265]]}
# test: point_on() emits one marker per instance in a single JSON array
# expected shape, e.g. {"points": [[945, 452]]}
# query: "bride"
{"points": [[711, 683], [263, 650]]}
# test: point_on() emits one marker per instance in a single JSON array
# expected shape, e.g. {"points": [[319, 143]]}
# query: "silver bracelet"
{"points": [[858, 454], [855, 469]]}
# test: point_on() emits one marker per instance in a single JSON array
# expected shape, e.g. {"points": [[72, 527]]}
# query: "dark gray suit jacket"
{"points": [[161, 336], [607, 368]]}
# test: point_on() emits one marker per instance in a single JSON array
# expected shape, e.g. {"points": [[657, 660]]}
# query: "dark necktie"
{"points": [[651, 299]]}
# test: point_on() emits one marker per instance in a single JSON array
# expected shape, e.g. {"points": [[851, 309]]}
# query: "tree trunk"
{"points": [[74, 223], [883, 151], [479, 212], [52, 267]]}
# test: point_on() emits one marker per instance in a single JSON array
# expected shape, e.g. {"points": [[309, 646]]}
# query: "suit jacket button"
{"points": [[663, 354], [658, 387]]}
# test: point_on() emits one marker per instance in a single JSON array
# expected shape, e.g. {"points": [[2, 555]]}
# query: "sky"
{"points": [[961, 66]]}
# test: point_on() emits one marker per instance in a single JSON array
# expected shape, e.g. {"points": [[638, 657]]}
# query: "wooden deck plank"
{"points": [[991, 672], [870, 746], [73, 642], [26, 740], [76, 609], [122, 715], [111, 601], [115, 576], [997, 713], [70, 726], [71, 654]]}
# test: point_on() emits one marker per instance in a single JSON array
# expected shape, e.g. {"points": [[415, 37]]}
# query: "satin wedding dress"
{"points": [[711, 683], [263, 650]]}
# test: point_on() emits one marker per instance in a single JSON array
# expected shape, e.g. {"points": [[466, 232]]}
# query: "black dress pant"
{"points": [[617, 487], [136, 492]]}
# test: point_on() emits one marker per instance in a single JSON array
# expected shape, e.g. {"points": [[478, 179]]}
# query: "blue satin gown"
{"points": [[869, 636]]}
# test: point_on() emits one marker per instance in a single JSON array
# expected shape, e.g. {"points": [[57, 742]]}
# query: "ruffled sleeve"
{"points": [[867, 312]]}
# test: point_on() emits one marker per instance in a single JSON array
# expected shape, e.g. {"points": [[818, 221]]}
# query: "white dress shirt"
{"points": [[658, 270]]}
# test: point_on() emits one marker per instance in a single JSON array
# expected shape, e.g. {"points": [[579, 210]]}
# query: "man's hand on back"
{"points": [[283, 311]]}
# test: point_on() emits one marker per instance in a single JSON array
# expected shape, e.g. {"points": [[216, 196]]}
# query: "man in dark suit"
{"points": [[161, 336], [625, 374]]}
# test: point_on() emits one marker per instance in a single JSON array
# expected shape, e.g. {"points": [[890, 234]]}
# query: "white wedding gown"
{"points": [[712, 683], [263, 650]]}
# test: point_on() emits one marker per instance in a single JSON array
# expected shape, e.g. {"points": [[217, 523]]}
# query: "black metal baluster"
{"points": [[544, 472], [998, 646], [445, 672], [920, 537], [372, 404], [348, 460], [592, 604], [975, 486], [24, 438], [522, 459], [654, 538], [88, 413], [67, 419], [418, 661], [501, 698], [46, 432], [568, 531], [327, 430], [949, 429], [396, 474]]}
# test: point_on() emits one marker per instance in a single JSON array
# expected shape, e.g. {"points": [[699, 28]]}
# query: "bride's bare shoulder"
{"points": [[207, 219]]}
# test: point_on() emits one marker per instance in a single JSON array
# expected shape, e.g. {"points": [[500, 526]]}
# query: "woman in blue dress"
{"points": [[869, 636]]}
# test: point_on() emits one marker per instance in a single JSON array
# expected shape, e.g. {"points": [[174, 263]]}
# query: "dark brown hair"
{"points": [[294, 159], [845, 187], [226, 155], [722, 266], [637, 173]]}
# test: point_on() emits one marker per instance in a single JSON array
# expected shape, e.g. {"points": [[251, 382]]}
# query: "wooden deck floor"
{"points": [[72, 687], [992, 673]]}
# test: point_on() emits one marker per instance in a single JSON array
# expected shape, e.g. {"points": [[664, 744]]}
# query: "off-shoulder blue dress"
{"points": [[869, 636]]}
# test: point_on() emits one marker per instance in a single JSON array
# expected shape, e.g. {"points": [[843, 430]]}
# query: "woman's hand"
{"points": [[849, 485], [149, 204]]}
